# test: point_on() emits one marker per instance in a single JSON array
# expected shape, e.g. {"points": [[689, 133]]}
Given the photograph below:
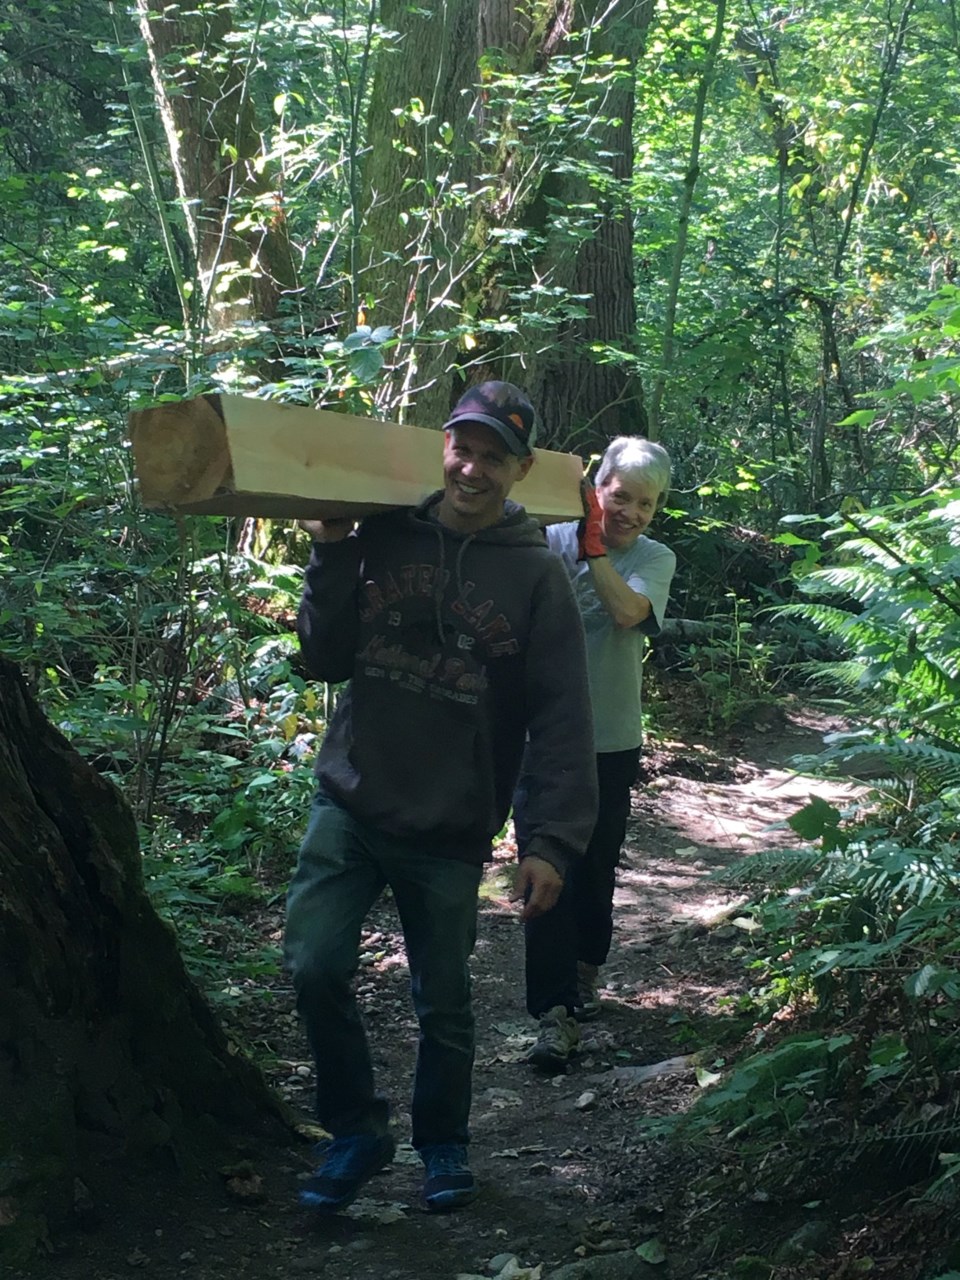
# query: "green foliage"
{"points": [[854, 953], [773, 1091], [733, 666], [165, 654], [808, 234], [889, 595]]}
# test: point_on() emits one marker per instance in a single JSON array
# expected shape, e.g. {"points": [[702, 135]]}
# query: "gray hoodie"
{"points": [[457, 648]]}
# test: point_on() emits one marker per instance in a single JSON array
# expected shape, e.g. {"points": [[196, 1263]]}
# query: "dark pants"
{"points": [[342, 869], [580, 926]]}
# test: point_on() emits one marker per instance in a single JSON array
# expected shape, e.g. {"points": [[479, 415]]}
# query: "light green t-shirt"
{"points": [[615, 654]]}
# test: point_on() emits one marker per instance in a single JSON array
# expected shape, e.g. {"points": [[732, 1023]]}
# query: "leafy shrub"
{"points": [[855, 959]]}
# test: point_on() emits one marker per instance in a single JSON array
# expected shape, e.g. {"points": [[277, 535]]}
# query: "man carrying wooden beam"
{"points": [[459, 633]]}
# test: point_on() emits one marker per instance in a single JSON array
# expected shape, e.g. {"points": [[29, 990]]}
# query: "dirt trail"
{"points": [[564, 1175]]}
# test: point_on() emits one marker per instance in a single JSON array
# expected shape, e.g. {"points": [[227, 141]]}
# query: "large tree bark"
{"points": [[583, 396], [413, 219], [234, 217], [435, 265], [586, 399], [107, 1049]]}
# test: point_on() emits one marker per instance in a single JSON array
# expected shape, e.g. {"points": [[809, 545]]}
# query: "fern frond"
{"points": [[775, 870], [939, 764], [883, 763], [914, 1138]]}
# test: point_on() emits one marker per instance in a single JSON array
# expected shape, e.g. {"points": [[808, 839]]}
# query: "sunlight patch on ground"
{"points": [[742, 816]]}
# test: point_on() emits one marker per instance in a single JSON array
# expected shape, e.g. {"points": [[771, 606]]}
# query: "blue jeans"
{"points": [[343, 868]]}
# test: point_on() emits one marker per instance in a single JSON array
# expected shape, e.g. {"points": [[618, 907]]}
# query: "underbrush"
{"points": [[218, 858], [847, 1095]]}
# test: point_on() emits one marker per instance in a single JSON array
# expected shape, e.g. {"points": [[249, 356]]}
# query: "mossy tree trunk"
{"points": [[231, 204], [107, 1049], [414, 203], [440, 241], [584, 223]]}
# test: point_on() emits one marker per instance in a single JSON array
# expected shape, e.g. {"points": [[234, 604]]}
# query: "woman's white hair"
{"points": [[636, 459]]}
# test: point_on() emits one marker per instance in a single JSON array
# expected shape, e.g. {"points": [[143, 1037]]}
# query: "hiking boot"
{"points": [[557, 1041], [588, 998], [347, 1164], [449, 1184]]}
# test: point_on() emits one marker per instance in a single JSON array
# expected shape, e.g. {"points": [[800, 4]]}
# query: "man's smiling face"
{"points": [[479, 471]]}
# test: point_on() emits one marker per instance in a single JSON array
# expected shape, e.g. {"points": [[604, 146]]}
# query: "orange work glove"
{"points": [[590, 543]]}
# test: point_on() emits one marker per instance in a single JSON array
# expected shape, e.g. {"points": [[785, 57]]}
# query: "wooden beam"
{"points": [[237, 456]]}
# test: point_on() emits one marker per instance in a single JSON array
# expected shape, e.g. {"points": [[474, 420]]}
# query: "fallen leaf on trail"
{"points": [[514, 1029], [508, 1153], [706, 1078], [651, 1251], [586, 1100], [687, 850], [747, 923], [243, 1183], [510, 1053]]}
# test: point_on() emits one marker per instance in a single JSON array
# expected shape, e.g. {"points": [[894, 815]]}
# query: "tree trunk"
{"points": [[107, 1049], [234, 217], [585, 398], [414, 210], [433, 258], [583, 395]]}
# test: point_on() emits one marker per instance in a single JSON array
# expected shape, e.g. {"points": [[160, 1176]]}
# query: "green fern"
{"points": [[775, 870], [860, 920]]}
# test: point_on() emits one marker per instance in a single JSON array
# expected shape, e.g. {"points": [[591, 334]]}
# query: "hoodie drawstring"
{"points": [[457, 573], [438, 589]]}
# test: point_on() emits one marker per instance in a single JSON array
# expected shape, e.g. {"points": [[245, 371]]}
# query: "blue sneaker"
{"points": [[348, 1163], [449, 1183]]}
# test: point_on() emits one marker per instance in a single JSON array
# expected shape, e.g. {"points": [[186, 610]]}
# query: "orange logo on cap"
{"points": [[516, 420]]}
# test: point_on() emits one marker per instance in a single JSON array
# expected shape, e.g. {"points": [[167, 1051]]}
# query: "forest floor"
{"points": [[568, 1178]]}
